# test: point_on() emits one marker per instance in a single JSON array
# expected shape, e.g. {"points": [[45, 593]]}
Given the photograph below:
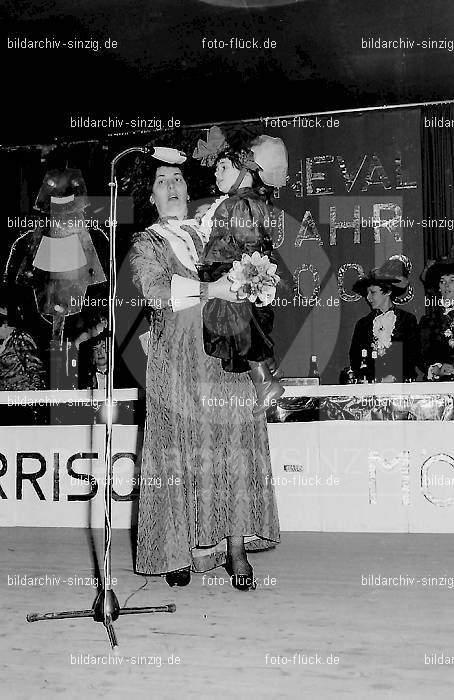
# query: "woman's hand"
{"points": [[445, 369], [221, 290], [200, 212]]}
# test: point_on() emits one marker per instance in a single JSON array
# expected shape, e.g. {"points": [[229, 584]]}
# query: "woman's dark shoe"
{"points": [[242, 582], [180, 577]]}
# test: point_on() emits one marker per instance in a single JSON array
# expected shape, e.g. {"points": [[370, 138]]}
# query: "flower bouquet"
{"points": [[254, 278]]}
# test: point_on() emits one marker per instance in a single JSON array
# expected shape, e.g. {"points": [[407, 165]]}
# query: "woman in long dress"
{"points": [[206, 494]]}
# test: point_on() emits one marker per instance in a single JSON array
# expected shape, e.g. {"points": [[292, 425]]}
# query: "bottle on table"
{"points": [[56, 368], [373, 361], [72, 365], [350, 376], [313, 369], [363, 368]]}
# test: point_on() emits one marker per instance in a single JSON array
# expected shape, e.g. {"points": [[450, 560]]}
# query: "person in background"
{"points": [[21, 367], [387, 330], [436, 327], [92, 346], [93, 363]]}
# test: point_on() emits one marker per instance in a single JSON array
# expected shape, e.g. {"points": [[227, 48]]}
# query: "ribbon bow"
{"points": [[247, 160], [207, 151]]}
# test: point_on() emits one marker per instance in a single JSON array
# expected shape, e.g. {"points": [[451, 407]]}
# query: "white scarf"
{"points": [[179, 240]]}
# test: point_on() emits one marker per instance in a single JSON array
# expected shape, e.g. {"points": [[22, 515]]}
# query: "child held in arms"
{"points": [[238, 228]]}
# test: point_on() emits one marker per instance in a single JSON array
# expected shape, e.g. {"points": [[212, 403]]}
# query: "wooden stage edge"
{"points": [[335, 615]]}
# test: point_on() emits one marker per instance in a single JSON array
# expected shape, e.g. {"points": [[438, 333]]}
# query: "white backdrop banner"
{"points": [[394, 476]]}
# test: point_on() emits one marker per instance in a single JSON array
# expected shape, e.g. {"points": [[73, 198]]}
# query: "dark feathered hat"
{"points": [[433, 273], [393, 272]]}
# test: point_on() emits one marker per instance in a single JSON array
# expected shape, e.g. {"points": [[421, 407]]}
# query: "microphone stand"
{"points": [[106, 607]]}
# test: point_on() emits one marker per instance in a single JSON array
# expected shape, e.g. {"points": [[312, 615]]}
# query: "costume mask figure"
{"points": [[59, 261]]}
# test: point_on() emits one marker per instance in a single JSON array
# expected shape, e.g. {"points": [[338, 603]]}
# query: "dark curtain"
{"points": [[437, 145]]}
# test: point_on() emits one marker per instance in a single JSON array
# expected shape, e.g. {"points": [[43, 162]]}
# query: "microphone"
{"points": [[140, 149], [172, 156], [132, 149]]}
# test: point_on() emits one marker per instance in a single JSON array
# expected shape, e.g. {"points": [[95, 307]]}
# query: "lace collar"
{"points": [[206, 221], [383, 328]]}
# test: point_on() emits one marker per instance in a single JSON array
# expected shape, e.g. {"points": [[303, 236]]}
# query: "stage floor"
{"points": [[321, 604]]}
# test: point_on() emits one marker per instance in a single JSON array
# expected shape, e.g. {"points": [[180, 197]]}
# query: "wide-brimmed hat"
{"points": [[434, 272], [172, 156], [393, 272]]}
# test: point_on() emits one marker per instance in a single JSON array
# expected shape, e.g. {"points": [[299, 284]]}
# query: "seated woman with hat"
{"points": [[21, 367], [437, 327], [388, 330]]}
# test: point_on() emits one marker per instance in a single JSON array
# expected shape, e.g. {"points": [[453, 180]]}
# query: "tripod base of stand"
{"points": [[109, 609], [97, 612]]}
